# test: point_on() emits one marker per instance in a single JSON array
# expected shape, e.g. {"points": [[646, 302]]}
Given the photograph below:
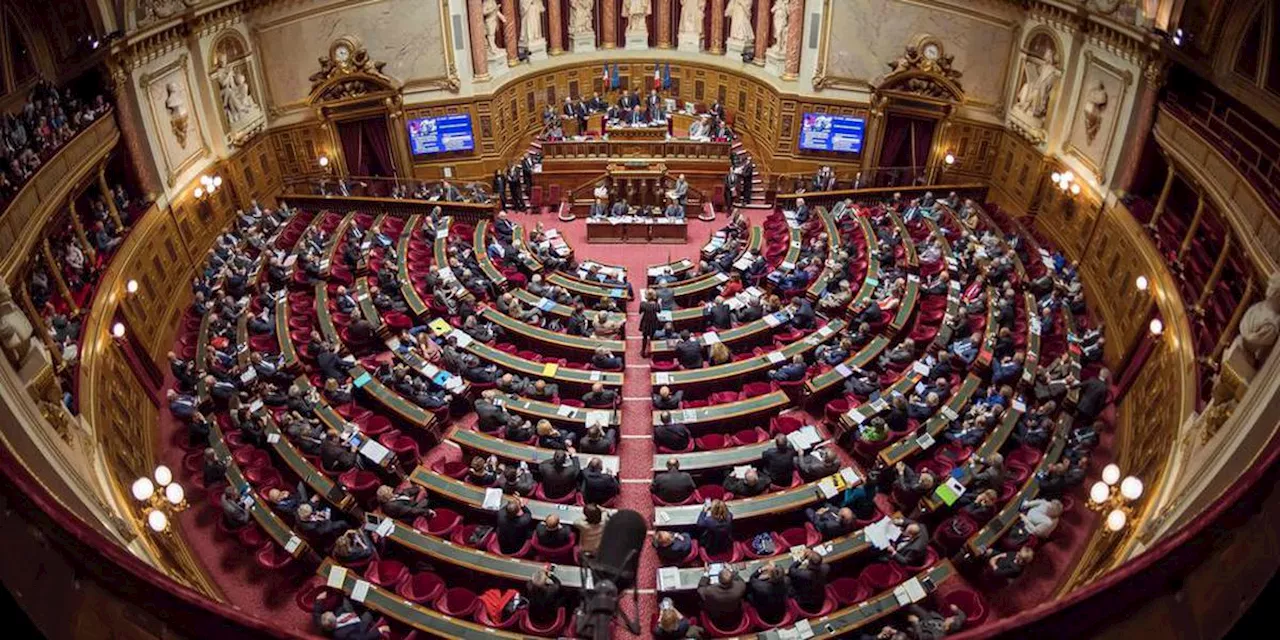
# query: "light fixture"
{"points": [[1141, 283], [1156, 327], [324, 161], [1116, 520], [1115, 497], [1057, 177], [143, 489], [117, 330], [131, 286], [217, 182], [949, 159], [1131, 488], [1111, 474], [159, 506], [1068, 176], [199, 193], [1075, 189], [158, 521]]}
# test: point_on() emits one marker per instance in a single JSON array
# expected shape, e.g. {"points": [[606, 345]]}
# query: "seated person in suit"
{"points": [[768, 592], [818, 463], [543, 593], [672, 547], [670, 434], [559, 475], [518, 429], [673, 486], [343, 623], [665, 400], [515, 523], [600, 396], [516, 480], [831, 522], [598, 485], [792, 371], [715, 527], [1009, 565], [482, 471], [408, 504], [550, 437], [605, 361], [912, 546], [808, 577], [752, 483], [779, 461], [598, 441], [551, 534], [722, 601], [931, 624], [352, 546]]}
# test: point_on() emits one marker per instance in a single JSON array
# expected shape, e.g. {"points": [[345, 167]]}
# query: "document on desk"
{"points": [[669, 578], [492, 499], [597, 417], [775, 357], [360, 591], [882, 533], [337, 577]]}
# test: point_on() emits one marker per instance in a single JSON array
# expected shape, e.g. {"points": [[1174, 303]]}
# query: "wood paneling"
{"points": [[1016, 174], [298, 148], [976, 147]]}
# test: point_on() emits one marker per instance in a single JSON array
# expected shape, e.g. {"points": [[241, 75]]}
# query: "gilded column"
{"points": [[609, 24], [763, 32], [716, 42], [1164, 195], [555, 27], [662, 22], [107, 195], [1214, 275], [795, 31], [55, 270], [1192, 228], [85, 245], [128, 116], [479, 43], [509, 33]]}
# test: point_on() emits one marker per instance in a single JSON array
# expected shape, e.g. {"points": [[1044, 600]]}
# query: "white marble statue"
{"points": [[16, 331], [1095, 104], [691, 14], [175, 102], [1260, 324], [492, 14], [781, 20], [531, 20], [233, 91], [739, 14], [580, 17], [1039, 76], [636, 12]]}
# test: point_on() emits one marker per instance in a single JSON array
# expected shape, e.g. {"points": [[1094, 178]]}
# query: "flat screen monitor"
{"points": [[441, 134], [826, 132]]}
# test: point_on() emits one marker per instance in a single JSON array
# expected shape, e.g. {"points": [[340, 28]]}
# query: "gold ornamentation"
{"points": [[924, 69], [348, 72]]}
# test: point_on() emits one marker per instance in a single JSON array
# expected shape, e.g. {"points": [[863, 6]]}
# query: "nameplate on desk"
{"points": [[273, 438], [856, 416]]}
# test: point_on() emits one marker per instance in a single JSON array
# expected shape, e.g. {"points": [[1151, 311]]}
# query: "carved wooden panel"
{"points": [[162, 272], [975, 147], [124, 417], [298, 148], [1016, 170]]}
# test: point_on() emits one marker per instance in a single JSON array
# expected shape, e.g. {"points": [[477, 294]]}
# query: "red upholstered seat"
{"points": [[455, 469], [968, 601], [749, 436], [785, 424], [847, 590], [513, 621], [422, 588], [252, 537], [568, 498], [733, 554], [758, 622], [712, 492], [441, 524], [828, 605], [806, 536], [307, 595], [523, 552], [548, 629], [879, 576], [720, 632], [388, 574], [834, 409], [687, 449], [376, 425], [557, 555], [272, 557], [459, 602], [711, 442], [753, 389]]}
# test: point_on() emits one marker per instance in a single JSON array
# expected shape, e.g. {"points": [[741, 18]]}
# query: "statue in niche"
{"points": [[781, 20], [152, 10], [1040, 75], [1260, 324], [1095, 106], [492, 14], [531, 20], [691, 15], [580, 17], [636, 12], [739, 14], [175, 103], [233, 91]]}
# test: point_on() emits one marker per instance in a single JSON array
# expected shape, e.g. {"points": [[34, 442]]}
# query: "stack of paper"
{"points": [[775, 357], [597, 417], [337, 577], [668, 579], [373, 450], [882, 533], [492, 499], [566, 411], [360, 591]]}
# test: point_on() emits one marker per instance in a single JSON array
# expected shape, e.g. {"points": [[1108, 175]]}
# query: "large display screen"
{"points": [[826, 132], [441, 134]]}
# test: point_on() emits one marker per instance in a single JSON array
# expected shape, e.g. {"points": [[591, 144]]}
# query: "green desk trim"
{"points": [[394, 402], [841, 548], [417, 306], [762, 505], [507, 450], [487, 267], [563, 375], [324, 317], [906, 447], [473, 496], [319, 483], [364, 299], [991, 533], [834, 244], [737, 410], [830, 378], [749, 366], [579, 344], [283, 337], [587, 289], [991, 444], [275, 528], [537, 409]]}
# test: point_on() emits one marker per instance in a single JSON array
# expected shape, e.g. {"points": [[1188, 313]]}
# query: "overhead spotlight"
{"points": [[1141, 283]]}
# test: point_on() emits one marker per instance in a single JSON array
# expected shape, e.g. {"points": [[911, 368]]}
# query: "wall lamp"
{"points": [[160, 499], [1115, 497]]}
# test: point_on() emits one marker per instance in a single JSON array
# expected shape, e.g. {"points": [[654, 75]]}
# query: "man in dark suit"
{"points": [[719, 315], [559, 475], [335, 456], [543, 592], [809, 580], [490, 417], [802, 314], [792, 371], [598, 441], [688, 352], [831, 523], [551, 534], [669, 434], [1093, 397], [342, 622], [722, 601], [598, 485], [767, 591], [600, 396], [912, 545], [500, 187], [818, 463], [665, 400], [672, 547], [779, 461], [673, 486], [515, 523], [752, 483], [516, 189]]}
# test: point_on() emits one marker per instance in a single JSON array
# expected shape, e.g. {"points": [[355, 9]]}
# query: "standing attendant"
{"points": [[517, 191], [649, 323], [500, 187]]}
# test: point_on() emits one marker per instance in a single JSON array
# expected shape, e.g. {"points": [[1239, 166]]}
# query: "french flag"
{"points": [[657, 77], [605, 77]]}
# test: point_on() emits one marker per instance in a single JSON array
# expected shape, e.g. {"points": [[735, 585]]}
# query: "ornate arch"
{"points": [[924, 73], [347, 75]]}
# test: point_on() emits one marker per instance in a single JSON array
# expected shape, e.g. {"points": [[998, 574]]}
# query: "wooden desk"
{"points": [[785, 501], [572, 417], [718, 459], [569, 379], [471, 440], [487, 267], [745, 412], [402, 208], [990, 534], [637, 231], [392, 401], [555, 308], [818, 386], [595, 290], [458, 491], [743, 335], [425, 619], [551, 342], [417, 306], [324, 317], [834, 243], [320, 484], [275, 528], [906, 447], [678, 269], [743, 370], [992, 444], [698, 288], [288, 351], [631, 134], [478, 560]]}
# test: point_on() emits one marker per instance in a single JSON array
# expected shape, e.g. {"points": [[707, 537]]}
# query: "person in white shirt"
{"points": [[1040, 517]]}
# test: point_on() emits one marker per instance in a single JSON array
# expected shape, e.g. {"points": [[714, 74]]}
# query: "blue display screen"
{"points": [[826, 132], [441, 134]]}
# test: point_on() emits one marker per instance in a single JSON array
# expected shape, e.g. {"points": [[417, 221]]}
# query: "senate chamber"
{"points": [[773, 319]]}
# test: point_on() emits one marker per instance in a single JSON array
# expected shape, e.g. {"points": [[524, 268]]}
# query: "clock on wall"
{"points": [[932, 51], [343, 51]]}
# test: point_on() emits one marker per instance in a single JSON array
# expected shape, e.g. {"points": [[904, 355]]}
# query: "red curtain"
{"points": [[366, 146], [906, 143]]}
